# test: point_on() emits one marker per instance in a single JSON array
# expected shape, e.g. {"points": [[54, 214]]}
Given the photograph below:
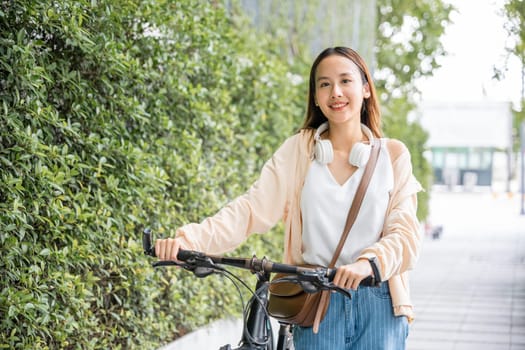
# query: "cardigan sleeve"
{"points": [[256, 211], [400, 243]]}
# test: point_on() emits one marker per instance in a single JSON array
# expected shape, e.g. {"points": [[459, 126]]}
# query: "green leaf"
{"points": [[45, 252]]}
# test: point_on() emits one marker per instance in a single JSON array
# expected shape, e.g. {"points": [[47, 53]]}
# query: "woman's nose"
{"points": [[336, 91]]}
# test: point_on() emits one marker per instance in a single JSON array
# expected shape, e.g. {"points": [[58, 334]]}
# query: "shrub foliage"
{"points": [[116, 115]]}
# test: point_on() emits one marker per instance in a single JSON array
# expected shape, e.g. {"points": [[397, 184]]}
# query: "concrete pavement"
{"points": [[469, 286]]}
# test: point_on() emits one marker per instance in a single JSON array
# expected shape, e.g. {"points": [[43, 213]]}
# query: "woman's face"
{"points": [[339, 89]]}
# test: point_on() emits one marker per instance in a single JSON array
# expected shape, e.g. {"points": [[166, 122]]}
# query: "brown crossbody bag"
{"points": [[288, 302]]}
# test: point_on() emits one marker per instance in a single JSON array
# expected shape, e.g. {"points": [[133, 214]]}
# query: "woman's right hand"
{"points": [[167, 249]]}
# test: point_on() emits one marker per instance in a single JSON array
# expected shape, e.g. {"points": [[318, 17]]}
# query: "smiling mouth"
{"points": [[338, 106]]}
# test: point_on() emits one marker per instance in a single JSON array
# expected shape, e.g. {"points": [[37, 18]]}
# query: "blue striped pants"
{"points": [[365, 322]]}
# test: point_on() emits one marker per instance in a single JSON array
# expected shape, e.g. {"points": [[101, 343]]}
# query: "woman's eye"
{"points": [[346, 81], [323, 84]]}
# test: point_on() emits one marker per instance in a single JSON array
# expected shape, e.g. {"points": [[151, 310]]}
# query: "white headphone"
{"points": [[359, 154]]}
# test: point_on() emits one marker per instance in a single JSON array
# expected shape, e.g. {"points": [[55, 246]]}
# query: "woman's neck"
{"points": [[343, 137]]}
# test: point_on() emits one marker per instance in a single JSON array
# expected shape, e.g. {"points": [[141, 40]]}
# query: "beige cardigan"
{"points": [[276, 195]]}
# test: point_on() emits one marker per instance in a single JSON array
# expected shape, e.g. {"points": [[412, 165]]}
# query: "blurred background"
{"points": [[118, 115]]}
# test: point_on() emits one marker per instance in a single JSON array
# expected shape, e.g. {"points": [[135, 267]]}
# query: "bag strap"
{"points": [[352, 215], [358, 199]]}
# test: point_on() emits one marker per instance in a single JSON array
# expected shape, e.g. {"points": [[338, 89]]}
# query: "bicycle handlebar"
{"points": [[203, 265]]}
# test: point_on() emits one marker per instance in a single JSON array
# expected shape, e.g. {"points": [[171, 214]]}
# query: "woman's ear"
{"points": [[366, 90]]}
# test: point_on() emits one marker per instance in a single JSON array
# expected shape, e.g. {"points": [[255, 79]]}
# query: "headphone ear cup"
{"points": [[359, 154], [324, 152]]}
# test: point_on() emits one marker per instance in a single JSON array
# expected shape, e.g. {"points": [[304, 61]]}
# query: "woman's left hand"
{"points": [[349, 276]]}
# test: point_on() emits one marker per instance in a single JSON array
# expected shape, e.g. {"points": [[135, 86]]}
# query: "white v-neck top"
{"points": [[325, 205]]}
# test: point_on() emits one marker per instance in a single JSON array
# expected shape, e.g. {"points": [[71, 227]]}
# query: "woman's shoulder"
{"points": [[396, 148], [298, 145], [306, 133], [302, 138], [404, 180]]}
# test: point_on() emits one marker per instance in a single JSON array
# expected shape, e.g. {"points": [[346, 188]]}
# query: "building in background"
{"points": [[470, 143]]}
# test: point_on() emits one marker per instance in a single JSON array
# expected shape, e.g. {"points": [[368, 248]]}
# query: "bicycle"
{"points": [[257, 332]]}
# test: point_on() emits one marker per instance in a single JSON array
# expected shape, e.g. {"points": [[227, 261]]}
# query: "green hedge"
{"points": [[116, 115]]}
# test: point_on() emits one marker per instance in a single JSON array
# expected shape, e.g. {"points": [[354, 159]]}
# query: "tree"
{"points": [[514, 12], [407, 48]]}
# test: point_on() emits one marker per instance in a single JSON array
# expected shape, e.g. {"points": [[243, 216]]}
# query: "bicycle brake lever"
{"points": [[343, 291], [309, 287], [202, 272], [198, 271]]}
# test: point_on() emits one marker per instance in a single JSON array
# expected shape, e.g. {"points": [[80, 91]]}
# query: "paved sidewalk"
{"points": [[469, 286]]}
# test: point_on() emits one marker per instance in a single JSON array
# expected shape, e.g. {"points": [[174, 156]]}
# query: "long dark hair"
{"points": [[370, 114]]}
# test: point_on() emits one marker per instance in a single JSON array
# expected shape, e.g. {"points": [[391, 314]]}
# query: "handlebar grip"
{"points": [[367, 282], [149, 249], [330, 273], [146, 243]]}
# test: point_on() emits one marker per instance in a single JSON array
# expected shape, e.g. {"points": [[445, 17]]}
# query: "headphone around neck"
{"points": [[324, 153]]}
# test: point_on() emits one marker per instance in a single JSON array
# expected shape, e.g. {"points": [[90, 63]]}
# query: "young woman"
{"points": [[310, 183]]}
